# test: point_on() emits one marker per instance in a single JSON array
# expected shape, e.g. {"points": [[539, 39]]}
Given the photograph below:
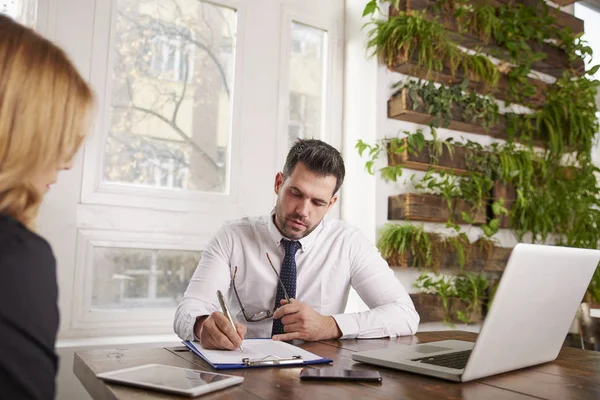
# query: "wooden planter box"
{"points": [[431, 309], [431, 208], [402, 64], [478, 260], [424, 160], [556, 59], [402, 108], [482, 261], [563, 3]]}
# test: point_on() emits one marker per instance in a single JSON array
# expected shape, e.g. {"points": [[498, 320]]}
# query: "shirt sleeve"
{"points": [[391, 310], [212, 274]]}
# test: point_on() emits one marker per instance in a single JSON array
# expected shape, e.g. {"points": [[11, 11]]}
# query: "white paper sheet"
{"points": [[255, 349]]}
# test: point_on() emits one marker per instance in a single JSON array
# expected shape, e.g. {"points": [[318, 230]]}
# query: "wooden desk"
{"points": [[574, 375]]}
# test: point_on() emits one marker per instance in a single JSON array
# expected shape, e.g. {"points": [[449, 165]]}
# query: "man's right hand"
{"points": [[215, 332]]}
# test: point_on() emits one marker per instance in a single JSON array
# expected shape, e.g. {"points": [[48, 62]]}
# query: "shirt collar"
{"points": [[305, 242]]}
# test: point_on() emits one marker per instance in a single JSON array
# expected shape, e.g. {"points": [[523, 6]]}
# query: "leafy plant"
{"points": [[557, 189], [441, 286], [461, 247], [468, 288], [413, 34], [445, 102], [412, 143], [396, 240], [471, 289]]}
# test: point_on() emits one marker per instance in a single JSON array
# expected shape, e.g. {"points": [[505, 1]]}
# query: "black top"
{"points": [[28, 314]]}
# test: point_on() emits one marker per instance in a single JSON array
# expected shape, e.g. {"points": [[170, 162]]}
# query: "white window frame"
{"points": [[153, 320], [333, 90], [94, 189]]}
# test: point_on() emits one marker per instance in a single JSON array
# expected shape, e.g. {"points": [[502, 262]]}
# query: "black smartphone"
{"points": [[340, 374]]}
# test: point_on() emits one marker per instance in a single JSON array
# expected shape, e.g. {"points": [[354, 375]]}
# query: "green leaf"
{"points": [[594, 69], [390, 173], [463, 317], [487, 231], [466, 217], [369, 166], [498, 208], [370, 8], [494, 224]]}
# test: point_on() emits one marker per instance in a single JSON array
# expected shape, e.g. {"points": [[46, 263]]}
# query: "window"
{"points": [[191, 124], [170, 58], [126, 278], [308, 82], [171, 96], [23, 11]]}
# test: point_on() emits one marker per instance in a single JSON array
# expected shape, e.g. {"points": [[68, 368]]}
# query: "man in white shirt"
{"points": [[303, 294]]}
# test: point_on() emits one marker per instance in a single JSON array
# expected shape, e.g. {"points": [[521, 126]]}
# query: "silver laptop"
{"points": [[530, 316]]}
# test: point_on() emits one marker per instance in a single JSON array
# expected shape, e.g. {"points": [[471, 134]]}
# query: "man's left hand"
{"points": [[300, 321]]}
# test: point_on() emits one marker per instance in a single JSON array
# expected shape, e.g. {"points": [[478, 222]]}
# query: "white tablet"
{"points": [[182, 381]]}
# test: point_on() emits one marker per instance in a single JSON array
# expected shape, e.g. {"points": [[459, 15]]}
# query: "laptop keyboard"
{"points": [[456, 360]]}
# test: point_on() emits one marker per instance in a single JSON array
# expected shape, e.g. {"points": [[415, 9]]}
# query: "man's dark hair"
{"points": [[317, 156]]}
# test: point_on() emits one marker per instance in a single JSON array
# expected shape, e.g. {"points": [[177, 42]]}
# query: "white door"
{"points": [[197, 104]]}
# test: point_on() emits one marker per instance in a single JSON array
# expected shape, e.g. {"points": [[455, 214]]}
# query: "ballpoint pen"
{"points": [[226, 312]]}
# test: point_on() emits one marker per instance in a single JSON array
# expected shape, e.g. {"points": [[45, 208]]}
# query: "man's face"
{"points": [[303, 199]]}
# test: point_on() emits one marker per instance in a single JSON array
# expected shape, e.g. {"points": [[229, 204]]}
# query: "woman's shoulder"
{"points": [[17, 239]]}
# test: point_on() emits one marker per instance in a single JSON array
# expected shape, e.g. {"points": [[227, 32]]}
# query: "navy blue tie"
{"points": [[288, 277]]}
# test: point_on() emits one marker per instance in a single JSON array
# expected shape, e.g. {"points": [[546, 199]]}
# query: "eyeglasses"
{"points": [[261, 315]]}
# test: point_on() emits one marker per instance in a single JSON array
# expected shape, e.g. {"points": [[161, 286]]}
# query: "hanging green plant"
{"points": [[557, 190], [397, 240], [413, 143], [440, 102], [426, 41], [468, 288]]}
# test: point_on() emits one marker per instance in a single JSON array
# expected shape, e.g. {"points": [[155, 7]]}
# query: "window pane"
{"points": [[308, 81], [172, 95], [23, 11], [140, 278]]}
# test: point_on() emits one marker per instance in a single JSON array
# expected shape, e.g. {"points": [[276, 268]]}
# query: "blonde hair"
{"points": [[44, 114]]}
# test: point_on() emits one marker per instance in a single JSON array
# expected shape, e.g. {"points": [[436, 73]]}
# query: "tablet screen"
{"points": [[162, 375]]}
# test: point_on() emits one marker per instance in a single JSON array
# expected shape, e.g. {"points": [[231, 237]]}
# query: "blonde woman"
{"points": [[44, 113]]}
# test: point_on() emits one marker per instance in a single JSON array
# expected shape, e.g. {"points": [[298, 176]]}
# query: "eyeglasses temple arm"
{"points": [[287, 298], [237, 296]]}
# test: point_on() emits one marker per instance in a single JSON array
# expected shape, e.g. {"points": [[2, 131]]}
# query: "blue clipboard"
{"points": [[262, 362]]}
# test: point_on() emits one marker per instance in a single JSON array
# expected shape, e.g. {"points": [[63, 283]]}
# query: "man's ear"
{"points": [[333, 200], [278, 182]]}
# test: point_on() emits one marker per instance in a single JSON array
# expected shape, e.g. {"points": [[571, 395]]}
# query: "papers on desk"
{"points": [[257, 353]]}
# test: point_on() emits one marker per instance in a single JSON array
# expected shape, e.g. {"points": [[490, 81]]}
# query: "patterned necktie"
{"points": [[288, 277]]}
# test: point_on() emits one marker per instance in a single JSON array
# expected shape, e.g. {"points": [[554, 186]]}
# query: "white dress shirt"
{"points": [[332, 257]]}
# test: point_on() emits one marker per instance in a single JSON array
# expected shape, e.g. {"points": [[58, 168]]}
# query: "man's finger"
{"points": [[287, 309], [211, 334], [284, 301], [285, 337], [228, 331], [290, 318], [241, 330], [222, 333], [295, 327]]}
